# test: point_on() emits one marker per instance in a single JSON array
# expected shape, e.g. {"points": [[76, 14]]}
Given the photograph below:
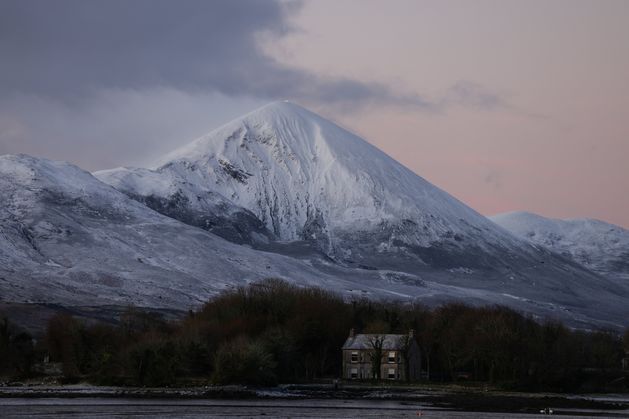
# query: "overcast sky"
{"points": [[507, 105]]}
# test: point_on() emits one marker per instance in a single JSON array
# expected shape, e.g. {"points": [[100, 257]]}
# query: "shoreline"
{"points": [[453, 399]]}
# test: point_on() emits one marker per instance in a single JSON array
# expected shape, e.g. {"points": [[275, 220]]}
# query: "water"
{"points": [[306, 408]]}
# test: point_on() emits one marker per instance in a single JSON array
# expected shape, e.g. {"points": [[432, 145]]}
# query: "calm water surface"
{"points": [[169, 408]]}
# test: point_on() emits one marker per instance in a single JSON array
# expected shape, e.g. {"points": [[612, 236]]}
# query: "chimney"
{"points": [[351, 332]]}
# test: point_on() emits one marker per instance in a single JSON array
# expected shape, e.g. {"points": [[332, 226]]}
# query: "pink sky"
{"points": [[559, 143], [529, 99]]}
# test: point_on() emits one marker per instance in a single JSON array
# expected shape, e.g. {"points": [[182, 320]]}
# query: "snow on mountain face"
{"points": [[305, 178], [68, 239], [292, 167], [600, 246], [193, 203], [288, 182]]}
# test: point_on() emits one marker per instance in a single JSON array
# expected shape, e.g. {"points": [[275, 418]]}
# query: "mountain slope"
{"points": [[316, 186], [68, 239], [600, 246], [282, 193], [190, 202], [307, 179]]}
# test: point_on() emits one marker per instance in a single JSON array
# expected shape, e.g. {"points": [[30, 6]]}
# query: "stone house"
{"points": [[381, 356]]}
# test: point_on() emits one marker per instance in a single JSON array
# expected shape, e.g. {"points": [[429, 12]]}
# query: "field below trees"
{"points": [[273, 332]]}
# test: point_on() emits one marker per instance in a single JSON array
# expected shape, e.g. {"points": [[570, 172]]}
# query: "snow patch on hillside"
{"points": [[600, 246]]}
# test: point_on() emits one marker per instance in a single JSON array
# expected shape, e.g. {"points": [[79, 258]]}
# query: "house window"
{"points": [[353, 373], [391, 357], [391, 374], [354, 357]]}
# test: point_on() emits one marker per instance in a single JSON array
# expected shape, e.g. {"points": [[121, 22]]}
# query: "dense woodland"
{"points": [[274, 332]]}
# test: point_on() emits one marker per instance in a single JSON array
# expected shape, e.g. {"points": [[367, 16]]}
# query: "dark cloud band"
{"points": [[68, 48]]}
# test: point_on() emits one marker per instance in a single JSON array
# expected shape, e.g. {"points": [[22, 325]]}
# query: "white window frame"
{"points": [[391, 374], [354, 357], [391, 358]]}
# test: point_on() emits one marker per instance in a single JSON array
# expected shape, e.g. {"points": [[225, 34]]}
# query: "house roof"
{"points": [[364, 341]]}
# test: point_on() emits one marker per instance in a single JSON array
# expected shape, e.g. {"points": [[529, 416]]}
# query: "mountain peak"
{"points": [[518, 216], [26, 169], [297, 171], [278, 109], [281, 106], [283, 129], [525, 218], [279, 113]]}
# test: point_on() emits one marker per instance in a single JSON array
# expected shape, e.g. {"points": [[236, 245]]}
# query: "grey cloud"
{"points": [[108, 82], [68, 49], [472, 95], [117, 127]]}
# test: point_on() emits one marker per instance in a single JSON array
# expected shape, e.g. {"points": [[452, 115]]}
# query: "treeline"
{"points": [[274, 332]]}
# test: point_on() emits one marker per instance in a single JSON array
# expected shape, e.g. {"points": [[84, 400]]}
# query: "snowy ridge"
{"points": [[193, 203], [598, 245]]}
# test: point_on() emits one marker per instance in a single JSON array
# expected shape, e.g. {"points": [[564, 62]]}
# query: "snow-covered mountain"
{"points": [[306, 179], [67, 238], [600, 246], [280, 192]]}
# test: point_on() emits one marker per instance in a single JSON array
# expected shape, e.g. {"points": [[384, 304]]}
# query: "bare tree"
{"points": [[376, 342], [405, 351]]}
